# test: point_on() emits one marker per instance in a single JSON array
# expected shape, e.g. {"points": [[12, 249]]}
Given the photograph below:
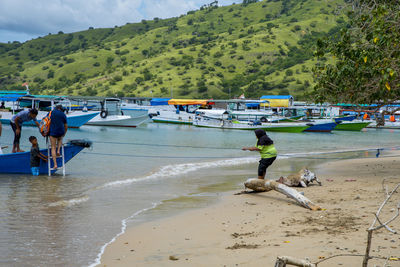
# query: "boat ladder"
{"points": [[50, 157]]}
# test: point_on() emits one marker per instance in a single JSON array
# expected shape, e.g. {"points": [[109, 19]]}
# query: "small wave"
{"points": [[184, 168], [97, 261], [70, 202]]}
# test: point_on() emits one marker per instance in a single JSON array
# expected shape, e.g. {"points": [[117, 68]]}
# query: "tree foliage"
{"points": [[366, 57]]}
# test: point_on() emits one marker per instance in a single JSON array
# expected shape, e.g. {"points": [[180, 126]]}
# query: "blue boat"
{"points": [[321, 127], [20, 162], [347, 118]]}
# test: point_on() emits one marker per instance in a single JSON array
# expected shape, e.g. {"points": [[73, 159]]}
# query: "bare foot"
{"points": [[20, 150]]}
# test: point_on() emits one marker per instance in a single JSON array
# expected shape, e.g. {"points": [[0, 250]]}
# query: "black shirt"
{"points": [[35, 160]]}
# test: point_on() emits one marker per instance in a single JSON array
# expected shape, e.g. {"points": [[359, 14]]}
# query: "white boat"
{"points": [[114, 117], [75, 119], [178, 111], [388, 125]]}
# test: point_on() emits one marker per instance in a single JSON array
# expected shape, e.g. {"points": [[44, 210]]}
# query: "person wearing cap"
{"points": [[58, 129]]}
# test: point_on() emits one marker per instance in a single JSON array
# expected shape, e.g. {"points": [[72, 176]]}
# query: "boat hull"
{"points": [[74, 119], [388, 125], [241, 126], [322, 127], [351, 126], [165, 120], [20, 162], [118, 121]]}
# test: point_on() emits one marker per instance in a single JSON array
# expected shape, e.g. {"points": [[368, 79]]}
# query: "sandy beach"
{"points": [[253, 229]]}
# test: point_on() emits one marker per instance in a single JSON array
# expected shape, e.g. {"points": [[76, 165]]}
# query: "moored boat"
{"points": [[20, 162], [351, 126], [202, 121], [114, 117], [74, 119], [118, 120], [321, 127]]}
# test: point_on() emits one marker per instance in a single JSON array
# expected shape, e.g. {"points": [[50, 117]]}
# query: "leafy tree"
{"points": [[366, 55]]}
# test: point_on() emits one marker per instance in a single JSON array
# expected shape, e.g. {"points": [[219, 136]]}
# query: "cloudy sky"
{"points": [[22, 20]]}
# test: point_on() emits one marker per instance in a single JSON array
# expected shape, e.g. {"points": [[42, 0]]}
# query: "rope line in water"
{"points": [[164, 145], [155, 156], [237, 148], [226, 157], [379, 150]]}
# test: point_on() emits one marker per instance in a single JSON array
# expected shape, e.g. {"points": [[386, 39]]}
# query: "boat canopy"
{"points": [[252, 105], [186, 102], [10, 97], [159, 101], [278, 100]]}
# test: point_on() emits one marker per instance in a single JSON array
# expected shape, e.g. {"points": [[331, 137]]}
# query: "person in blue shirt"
{"points": [[16, 124], [58, 129]]}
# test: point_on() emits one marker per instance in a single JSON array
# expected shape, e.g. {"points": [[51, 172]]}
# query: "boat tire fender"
{"points": [[263, 119], [104, 114]]}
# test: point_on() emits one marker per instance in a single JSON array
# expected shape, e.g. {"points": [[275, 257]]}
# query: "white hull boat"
{"points": [[75, 119], [118, 120]]}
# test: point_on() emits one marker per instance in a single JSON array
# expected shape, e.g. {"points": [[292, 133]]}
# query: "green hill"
{"points": [[215, 52]]}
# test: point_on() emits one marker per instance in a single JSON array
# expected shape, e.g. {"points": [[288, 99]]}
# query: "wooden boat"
{"points": [[351, 126], [20, 162], [350, 123], [388, 125], [201, 121], [321, 127]]}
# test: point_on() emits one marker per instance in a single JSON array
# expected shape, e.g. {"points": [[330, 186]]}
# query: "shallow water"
{"points": [[136, 175]]}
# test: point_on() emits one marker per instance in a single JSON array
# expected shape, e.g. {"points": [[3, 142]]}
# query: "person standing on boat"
{"points": [[16, 124], [58, 129], [267, 151]]}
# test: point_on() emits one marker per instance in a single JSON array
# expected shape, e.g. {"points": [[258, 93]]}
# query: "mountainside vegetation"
{"points": [[255, 48]]}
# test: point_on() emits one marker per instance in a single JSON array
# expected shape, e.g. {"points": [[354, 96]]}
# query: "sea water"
{"points": [[133, 175]]}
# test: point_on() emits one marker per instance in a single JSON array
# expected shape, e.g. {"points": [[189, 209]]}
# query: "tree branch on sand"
{"points": [[381, 224], [377, 224], [261, 185]]}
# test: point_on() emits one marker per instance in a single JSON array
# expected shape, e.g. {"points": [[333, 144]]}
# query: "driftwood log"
{"points": [[302, 178], [261, 185], [282, 261]]}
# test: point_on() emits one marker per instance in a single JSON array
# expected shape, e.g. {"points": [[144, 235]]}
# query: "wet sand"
{"points": [[253, 229]]}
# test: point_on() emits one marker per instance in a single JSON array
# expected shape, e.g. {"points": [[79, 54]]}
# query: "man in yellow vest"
{"points": [[267, 151]]}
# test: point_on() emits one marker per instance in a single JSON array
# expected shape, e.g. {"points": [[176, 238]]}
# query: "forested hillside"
{"points": [[253, 48]]}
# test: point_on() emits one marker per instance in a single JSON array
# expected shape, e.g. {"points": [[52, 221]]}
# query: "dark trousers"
{"points": [[264, 164], [16, 136]]}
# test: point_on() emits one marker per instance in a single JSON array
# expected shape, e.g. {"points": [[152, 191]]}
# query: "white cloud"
{"points": [[23, 18]]}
